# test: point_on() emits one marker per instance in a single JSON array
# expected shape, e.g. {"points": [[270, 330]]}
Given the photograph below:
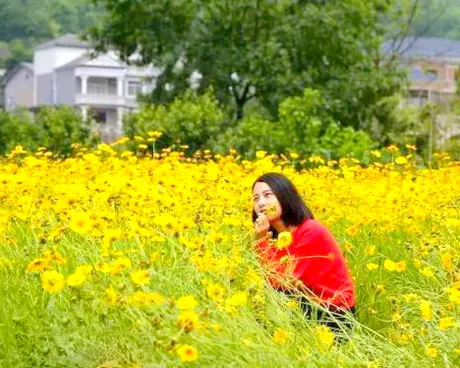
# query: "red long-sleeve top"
{"points": [[315, 259]]}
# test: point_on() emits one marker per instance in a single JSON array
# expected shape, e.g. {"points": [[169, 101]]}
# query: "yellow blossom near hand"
{"points": [[140, 277], [270, 210], [52, 281], [187, 303], [280, 336], [425, 310], [284, 240], [187, 353]]}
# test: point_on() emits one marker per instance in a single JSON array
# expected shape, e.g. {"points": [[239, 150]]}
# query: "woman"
{"points": [[311, 265]]}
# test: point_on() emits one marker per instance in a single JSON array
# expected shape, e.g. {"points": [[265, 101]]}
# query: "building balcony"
{"points": [[93, 99]]}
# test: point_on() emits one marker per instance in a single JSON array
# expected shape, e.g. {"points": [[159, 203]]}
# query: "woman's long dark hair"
{"points": [[294, 209]]}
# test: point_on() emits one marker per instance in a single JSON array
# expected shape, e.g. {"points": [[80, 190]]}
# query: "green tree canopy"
{"points": [[261, 50]]}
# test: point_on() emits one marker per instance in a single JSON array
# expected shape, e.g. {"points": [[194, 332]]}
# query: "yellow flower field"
{"points": [[108, 259]]}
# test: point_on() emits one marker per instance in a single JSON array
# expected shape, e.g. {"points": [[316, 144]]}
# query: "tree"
{"points": [[262, 50]]}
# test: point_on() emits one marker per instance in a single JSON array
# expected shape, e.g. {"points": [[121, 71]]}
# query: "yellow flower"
{"points": [[188, 320], [39, 265], [431, 351], [271, 210], [427, 271], [284, 240], [80, 223], [77, 278], [372, 266], [187, 353], [280, 336], [111, 296], [140, 277], [454, 295], [352, 230], [260, 154], [120, 264], [446, 322], [52, 281], [238, 299], [401, 160], [389, 265], [370, 250], [215, 292], [400, 266], [187, 303], [446, 259], [324, 337], [425, 310]]}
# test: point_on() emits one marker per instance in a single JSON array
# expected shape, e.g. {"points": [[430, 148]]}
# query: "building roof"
{"points": [[68, 40], [424, 47], [87, 59]]}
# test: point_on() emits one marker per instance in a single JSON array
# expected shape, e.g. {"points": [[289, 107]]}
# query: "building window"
{"points": [[134, 88], [102, 86]]}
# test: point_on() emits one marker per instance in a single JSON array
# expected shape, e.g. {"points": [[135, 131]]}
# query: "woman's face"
{"points": [[265, 201]]}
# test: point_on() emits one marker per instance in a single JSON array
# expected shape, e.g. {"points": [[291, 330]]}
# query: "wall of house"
{"points": [[45, 61], [443, 76], [19, 91], [65, 86], [44, 89]]}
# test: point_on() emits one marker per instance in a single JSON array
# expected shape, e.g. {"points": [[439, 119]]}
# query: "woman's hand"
{"points": [[261, 225]]}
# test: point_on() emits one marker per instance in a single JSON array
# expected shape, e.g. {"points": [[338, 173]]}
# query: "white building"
{"points": [[64, 72]]}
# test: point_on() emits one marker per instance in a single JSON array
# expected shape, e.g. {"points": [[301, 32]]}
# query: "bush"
{"points": [[61, 127], [308, 129], [191, 119], [303, 127], [53, 128], [253, 133], [18, 129]]}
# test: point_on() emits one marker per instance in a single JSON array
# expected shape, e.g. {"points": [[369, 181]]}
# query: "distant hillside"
{"points": [[25, 23]]}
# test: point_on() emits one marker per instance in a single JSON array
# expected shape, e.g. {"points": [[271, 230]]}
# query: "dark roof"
{"points": [[68, 40], [424, 47]]}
